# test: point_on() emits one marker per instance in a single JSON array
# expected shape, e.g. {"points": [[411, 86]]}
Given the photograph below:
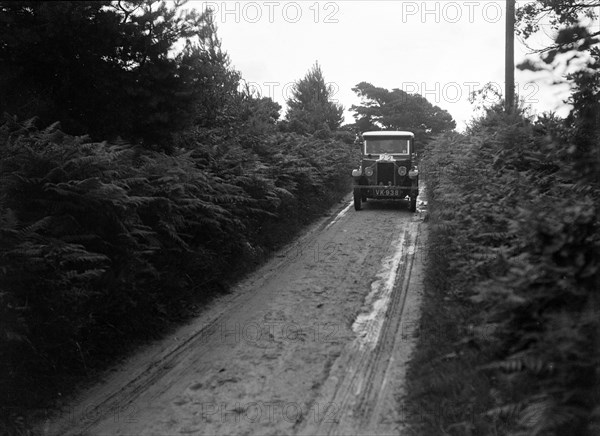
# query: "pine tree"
{"points": [[112, 69], [311, 106], [398, 110]]}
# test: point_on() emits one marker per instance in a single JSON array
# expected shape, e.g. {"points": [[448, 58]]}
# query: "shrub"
{"points": [[523, 245]]}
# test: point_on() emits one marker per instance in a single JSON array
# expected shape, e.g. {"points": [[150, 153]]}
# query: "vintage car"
{"points": [[388, 168]]}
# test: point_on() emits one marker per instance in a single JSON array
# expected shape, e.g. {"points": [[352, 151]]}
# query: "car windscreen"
{"points": [[386, 145]]}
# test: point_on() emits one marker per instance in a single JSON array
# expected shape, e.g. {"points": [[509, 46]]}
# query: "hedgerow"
{"points": [[514, 276], [104, 244]]}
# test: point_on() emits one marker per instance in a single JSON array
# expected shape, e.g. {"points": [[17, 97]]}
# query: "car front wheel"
{"points": [[357, 199], [413, 204]]}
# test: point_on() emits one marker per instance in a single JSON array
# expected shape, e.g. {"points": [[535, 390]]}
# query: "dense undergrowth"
{"points": [[510, 329], [105, 244]]}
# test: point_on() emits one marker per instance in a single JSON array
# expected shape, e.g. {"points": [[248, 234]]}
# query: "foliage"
{"points": [[248, 112], [565, 14], [398, 110], [521, 240], [576, 47], [112, 68], [209, 79], [517, 203], [311, 108], [107, 243]]}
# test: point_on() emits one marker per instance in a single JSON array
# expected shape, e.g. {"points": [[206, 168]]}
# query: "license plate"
{"points": [[387, 192]]}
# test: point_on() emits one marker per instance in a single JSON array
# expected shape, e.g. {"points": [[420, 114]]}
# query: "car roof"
{"points": [[388, 133]]}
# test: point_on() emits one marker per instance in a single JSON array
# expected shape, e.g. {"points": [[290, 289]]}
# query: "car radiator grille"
{"points": [[385, 173]]}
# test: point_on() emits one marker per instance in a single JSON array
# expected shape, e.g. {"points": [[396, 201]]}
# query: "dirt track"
{"points": [[315, 342]]}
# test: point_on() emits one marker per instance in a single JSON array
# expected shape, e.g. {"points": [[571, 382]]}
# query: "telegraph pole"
{"points": [[509, 61]]}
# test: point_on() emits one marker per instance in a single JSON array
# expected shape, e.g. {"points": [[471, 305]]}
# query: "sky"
{"points": [[442, 50]]}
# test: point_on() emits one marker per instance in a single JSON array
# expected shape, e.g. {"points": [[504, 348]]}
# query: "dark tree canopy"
{"points": [[556, 13], [398, 110], [311, 108], [112, 68], [577, 38], [572, 22]]}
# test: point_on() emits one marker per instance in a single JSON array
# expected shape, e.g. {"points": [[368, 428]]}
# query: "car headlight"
{"points": [[368, 171], [413, 174], [402, 171], [355, 173]]}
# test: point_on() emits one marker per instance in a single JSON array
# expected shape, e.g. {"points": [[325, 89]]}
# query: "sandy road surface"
{"points": [[315, 342]]}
